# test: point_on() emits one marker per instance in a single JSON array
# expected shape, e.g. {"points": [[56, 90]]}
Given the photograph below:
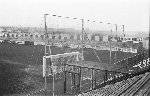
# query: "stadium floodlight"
{"points": [[53, 15], [46, 14], [74, 18]]}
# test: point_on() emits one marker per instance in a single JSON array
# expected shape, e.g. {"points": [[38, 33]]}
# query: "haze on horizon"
{"points": [[134, 14]]}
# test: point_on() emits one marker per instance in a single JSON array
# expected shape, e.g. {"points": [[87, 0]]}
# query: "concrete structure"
{"points": [[146, 42]]}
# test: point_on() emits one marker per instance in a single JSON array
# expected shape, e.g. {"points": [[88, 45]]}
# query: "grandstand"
{"points": [[134, 85]]}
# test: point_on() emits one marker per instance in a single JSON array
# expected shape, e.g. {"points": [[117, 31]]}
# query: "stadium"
{"points": [[76, 64]]}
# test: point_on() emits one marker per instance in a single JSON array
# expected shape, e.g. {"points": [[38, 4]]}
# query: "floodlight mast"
{"points": [[45, 51], [110, 41], [82, 37]]}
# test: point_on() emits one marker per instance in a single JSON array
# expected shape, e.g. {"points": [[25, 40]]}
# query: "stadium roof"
{"points": [[99, 65], [90, 64]]}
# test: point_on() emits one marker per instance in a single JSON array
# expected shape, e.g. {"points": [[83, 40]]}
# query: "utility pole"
{"points": [[45, 52], [82, 37]]}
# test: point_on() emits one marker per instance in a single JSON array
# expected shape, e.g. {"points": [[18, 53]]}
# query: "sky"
{"points": [[134, 14]]}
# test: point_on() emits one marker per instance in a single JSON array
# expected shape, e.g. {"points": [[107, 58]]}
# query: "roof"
{"points": [[90, 64]]}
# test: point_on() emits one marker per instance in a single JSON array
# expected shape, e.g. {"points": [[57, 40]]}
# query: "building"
{"points": [[146, 42], [96, 38], [105, 38]]}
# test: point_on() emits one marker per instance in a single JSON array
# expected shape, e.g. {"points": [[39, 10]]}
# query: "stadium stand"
{"points": [[124, 88], [131, 91]]}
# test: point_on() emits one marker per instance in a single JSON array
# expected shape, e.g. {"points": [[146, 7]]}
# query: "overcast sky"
{"points": [[134, 14]]}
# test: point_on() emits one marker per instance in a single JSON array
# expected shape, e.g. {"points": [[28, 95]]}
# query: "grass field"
{"points": [[21, 67]]}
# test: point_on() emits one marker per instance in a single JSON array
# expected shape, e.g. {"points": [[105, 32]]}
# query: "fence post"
{"points": [[105, 75], [64, 82], [92, 79], [64, 79], [95, 78], [79, 79], [114, 77], [73, 78], [74, 83]]}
